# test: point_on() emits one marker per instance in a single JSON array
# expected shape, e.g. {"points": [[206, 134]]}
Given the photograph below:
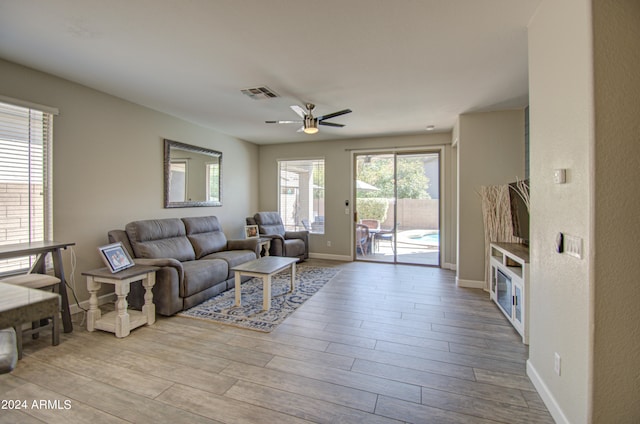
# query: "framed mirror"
{"points": [[192, 176]]}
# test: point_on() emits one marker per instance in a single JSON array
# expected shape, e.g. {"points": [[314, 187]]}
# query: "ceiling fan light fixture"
{"points": [[309, 122], [310, 125]]}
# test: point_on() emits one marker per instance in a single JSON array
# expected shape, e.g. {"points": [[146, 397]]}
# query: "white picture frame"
{"points": [[116, 257], [251, 231]]}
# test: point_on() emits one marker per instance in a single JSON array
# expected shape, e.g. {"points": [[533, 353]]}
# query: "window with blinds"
{"points": [[301, 199], [25, 179]]}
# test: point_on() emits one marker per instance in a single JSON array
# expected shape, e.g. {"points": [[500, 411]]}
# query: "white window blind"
{"points": [[301, 198], [25, 179]]}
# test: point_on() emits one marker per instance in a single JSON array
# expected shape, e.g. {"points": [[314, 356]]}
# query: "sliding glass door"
{"points": [[398, 207]]}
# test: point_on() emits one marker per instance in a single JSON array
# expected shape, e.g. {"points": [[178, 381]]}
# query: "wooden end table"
{"points": [[121, 321], [264, 268]]}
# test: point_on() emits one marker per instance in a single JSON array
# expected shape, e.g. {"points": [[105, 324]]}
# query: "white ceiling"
{"points": [[400, 65]]}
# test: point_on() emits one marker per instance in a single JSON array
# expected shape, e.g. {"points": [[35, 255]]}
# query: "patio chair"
{"points": [[373, 224], [363, 239], [386, 235]]}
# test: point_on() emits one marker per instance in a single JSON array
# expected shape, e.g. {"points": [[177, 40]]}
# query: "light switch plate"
{"points": [[559, 176], [573, 246]]}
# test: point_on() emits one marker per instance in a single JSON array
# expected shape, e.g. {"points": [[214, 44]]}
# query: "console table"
{"points": [[121, 321], [509, 285], [41, 249]]}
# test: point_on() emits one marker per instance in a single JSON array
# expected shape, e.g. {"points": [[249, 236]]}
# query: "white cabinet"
{"points": [[509, 287]]}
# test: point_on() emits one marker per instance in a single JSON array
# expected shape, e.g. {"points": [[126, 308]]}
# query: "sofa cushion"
{"points": [[205, 234], [233, 258], [160, 238], [201, 274]]}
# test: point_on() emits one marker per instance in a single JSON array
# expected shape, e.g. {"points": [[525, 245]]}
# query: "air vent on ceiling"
{"points": [[259, 93]]}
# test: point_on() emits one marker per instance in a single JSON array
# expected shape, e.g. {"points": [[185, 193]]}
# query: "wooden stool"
{"points": [[34, 281]]}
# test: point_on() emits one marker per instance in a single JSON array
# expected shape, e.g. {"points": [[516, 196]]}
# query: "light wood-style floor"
{"points": [[378, 344]]}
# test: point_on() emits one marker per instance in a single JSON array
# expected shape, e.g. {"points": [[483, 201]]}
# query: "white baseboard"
{"points": [[105, 298], [330, 257], [345, 258], [470, 284], [447, 265], [545, 394]]}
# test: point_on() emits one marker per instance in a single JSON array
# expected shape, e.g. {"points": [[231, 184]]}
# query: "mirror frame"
{"points": [[168, 145]]}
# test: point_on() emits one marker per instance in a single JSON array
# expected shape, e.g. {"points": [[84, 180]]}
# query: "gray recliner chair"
{"points": [[283, 243]]}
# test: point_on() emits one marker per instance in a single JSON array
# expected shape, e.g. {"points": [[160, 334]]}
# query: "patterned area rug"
{"points": [[222, 309]]}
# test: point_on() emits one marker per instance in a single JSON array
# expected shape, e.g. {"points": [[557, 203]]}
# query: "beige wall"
{"points": [[490, 151], [108, 164], [616, 226], [561, 119], [338, 158]]}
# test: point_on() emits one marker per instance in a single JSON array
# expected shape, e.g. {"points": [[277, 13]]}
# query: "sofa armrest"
{"points": [[272, 236], [160, 262], [244, 244], [299, 235], [302, 235]]}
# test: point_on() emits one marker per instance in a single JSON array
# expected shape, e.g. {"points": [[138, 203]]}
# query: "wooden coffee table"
{"points": [[264, 268]]}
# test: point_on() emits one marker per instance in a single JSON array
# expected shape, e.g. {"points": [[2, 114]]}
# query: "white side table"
{"points": [[121, 321], [265, 244]]}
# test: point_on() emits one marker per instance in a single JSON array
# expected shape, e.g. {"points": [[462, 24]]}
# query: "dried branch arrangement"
{"points": [[522, 189], [496, 214]]}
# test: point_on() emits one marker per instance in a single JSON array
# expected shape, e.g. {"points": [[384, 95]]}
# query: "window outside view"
{"points": [[398, 205], [301, 188], [24, 138]]}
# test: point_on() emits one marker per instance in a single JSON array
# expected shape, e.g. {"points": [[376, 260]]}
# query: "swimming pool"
{"points": [[426, 237]]}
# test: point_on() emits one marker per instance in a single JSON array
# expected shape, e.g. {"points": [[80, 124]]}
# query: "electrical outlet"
{"points": [[556, 363], [328, 243]]}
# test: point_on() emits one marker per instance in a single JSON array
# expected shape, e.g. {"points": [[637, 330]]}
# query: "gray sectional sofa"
{"points": [[194, 256]]}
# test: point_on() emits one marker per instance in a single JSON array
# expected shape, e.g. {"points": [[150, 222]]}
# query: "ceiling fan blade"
{"points": [[300, 111], [300, 129], [330, 124], [283, 122], [334, 114]]}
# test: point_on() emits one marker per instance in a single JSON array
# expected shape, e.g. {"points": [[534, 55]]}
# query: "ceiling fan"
{"points": [[309, 122]]}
